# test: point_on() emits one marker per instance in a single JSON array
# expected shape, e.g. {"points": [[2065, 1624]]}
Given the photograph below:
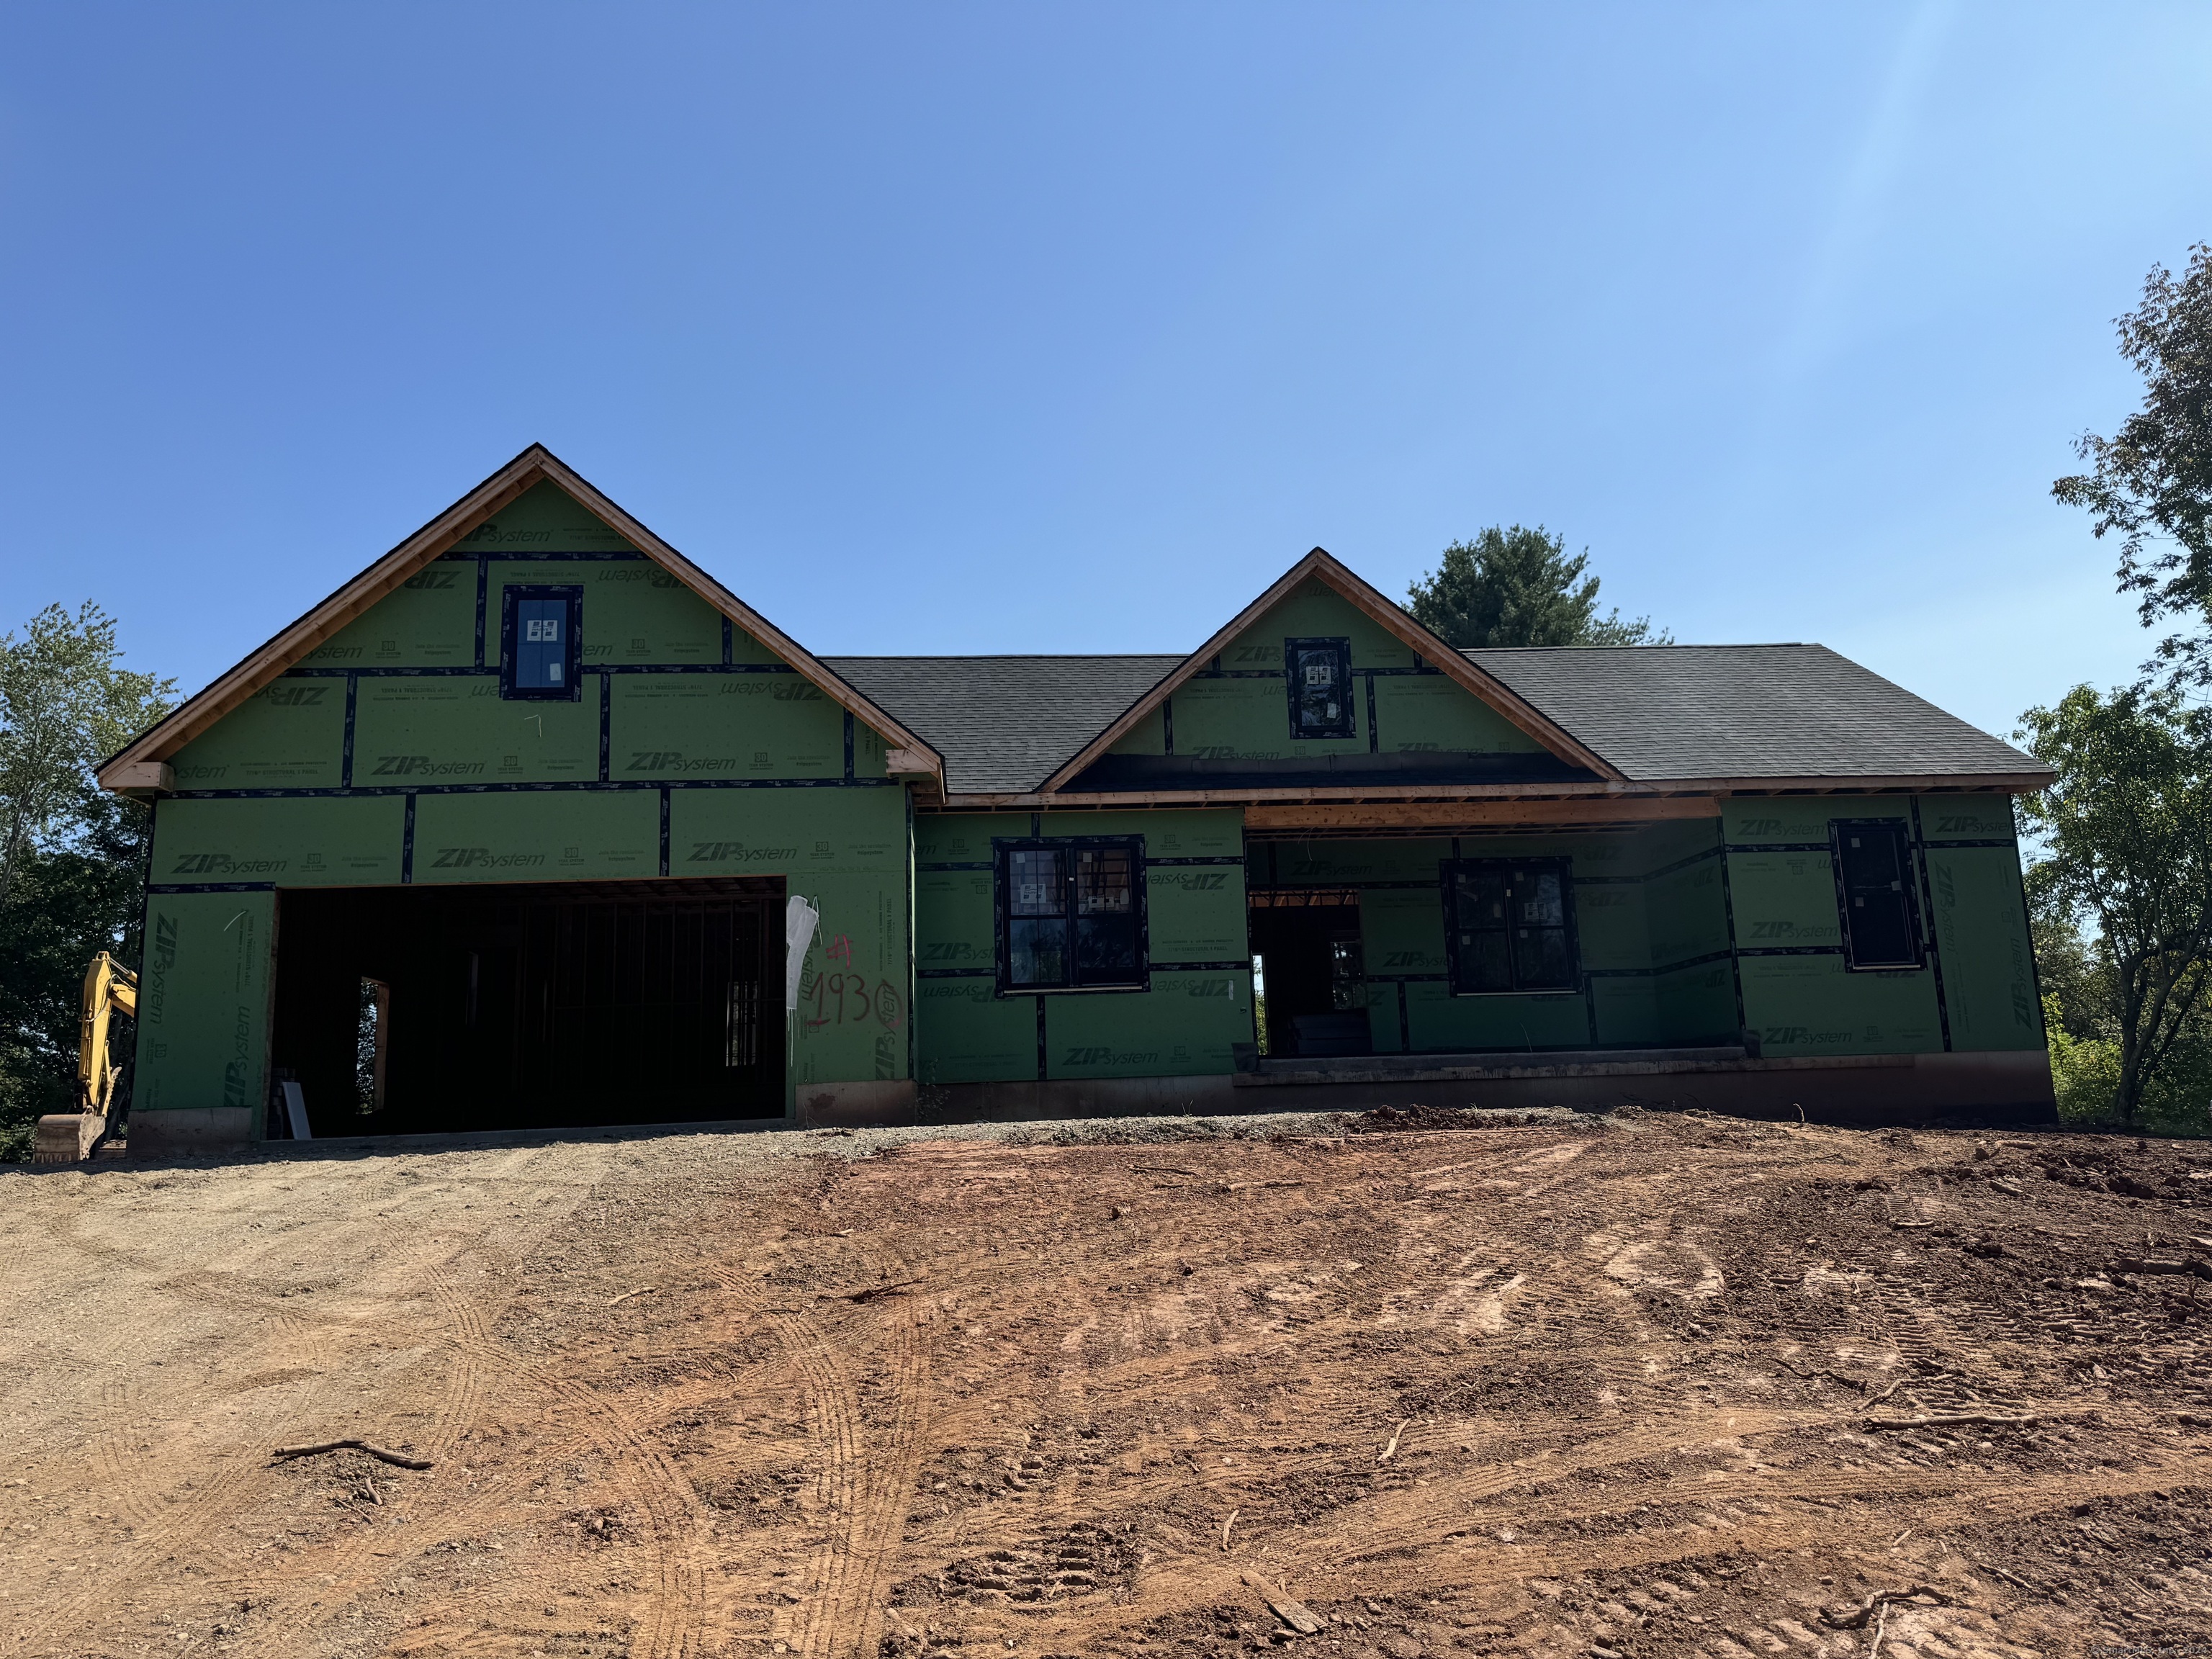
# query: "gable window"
{"points": [[541, 645], [1874, 890], [1071, 913], [1319, 675], [1509, 928]]}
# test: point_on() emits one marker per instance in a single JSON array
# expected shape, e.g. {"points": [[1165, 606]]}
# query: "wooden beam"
{"points": [[2007, 783], [154, 777], [1474, 815]]}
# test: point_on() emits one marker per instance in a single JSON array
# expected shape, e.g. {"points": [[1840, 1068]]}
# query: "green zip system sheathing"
{"points": [[1977, 991], [1676, 920], [1238, 711], [1200, 1000], [388, 756], [1649, 918], [203, 1003]]}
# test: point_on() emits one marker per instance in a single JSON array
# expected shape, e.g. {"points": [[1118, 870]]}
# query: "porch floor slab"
{"points": [[1563, 1063]]}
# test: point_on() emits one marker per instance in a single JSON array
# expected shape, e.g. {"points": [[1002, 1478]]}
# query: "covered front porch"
{"points": [[1494, 939]]}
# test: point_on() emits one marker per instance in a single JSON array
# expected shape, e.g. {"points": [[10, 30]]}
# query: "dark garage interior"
{"points": [[435, 1010]]}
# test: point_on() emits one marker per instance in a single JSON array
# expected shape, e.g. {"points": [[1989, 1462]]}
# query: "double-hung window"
{"points": [[541, 643], [1509, 925], [1319, 675], [1874, 890], [1071, 913]]}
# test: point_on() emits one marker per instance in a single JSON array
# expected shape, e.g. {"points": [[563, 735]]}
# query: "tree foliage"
{"points": [[2150, 484], [70, 901], [65, 702], [1519, 587], [2125, 835], [71, 856]]}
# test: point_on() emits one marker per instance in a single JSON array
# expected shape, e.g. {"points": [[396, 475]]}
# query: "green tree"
{"points": [[71, 856], [2151, 483], [65, 702], [1519, 587], [2126, 834], [72, 899]]}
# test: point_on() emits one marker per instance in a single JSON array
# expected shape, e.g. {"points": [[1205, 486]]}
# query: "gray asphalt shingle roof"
{"points": [[1744, 711], [1005, 723]]}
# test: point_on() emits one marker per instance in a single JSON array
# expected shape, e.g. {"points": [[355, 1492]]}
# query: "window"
{"points": [[541, 652], [1509, 926], [1874, 889], [1319, 675], [1071, 914]]}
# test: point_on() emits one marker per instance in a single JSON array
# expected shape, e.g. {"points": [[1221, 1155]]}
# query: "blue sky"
{"points": [[968, 327]]}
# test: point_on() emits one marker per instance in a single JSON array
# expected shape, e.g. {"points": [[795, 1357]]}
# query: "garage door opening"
{"points": [[427, 1010]]}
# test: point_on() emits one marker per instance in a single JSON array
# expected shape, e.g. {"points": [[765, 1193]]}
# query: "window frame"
{"points": [[1002, 848], [1341, 647], [1908, 884], [513, 595], [1455, 973]]}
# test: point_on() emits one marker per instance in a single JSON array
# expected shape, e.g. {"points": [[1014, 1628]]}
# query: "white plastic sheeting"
{"points": [[799, 921]]}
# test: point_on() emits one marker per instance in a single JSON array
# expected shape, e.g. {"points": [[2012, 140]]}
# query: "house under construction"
{"points": [[535, 823]]}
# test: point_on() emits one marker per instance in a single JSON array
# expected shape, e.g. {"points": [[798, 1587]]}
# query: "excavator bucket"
{"points": [[67, 1137], [110, 989]]}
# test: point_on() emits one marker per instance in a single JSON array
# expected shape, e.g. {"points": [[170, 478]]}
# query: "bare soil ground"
{"points": [[1643, 1385]]}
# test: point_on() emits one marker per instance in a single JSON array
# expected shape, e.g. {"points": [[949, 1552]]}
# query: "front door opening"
{"points": [[430, 1010], [1308, 948]]}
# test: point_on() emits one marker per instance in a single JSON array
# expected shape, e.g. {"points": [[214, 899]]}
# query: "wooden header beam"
{"points": [[1416, 816]]}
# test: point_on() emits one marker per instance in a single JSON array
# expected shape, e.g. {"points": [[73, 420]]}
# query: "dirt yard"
{"points": [[1644, 1385]]}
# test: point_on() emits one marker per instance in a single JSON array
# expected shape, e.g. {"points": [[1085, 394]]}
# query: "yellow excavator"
{"points": [[110, 989]]}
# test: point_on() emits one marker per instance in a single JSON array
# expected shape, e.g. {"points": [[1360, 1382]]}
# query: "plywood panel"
{"points": [[1196, 913], [1183, 1025], [1425, 713], [536, 835], [724, 726], [204, 1002], [1783, 899], [428, 621], [967, 1035], [457, 729], [315, 842], [1981, 928], [1811, 1006], [290, 735]]}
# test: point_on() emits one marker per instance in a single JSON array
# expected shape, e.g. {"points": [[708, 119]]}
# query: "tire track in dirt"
{"points": [[672, 1626], [172, 1524], [1313, 1565], [865, 1475], [673, 1630]]}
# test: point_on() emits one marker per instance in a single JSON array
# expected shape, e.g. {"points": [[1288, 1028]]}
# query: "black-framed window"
{"points": [[1320, 676], [1509, 925], [541, 645], [1071, 913], [1874, 891]]}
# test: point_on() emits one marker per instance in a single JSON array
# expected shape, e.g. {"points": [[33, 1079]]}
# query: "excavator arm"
{"points": [[110, 989]]}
